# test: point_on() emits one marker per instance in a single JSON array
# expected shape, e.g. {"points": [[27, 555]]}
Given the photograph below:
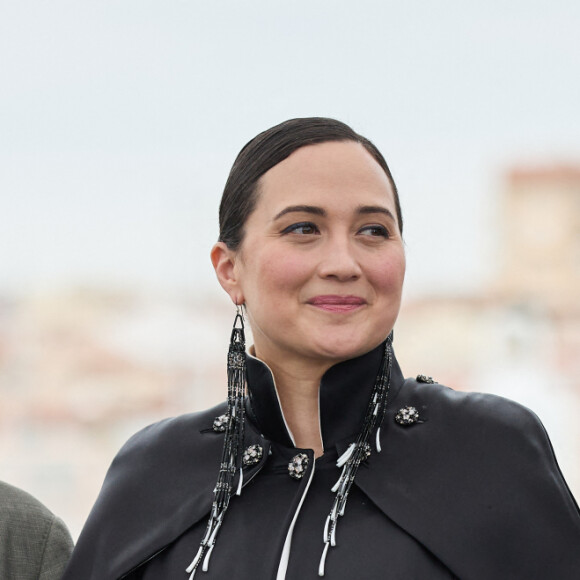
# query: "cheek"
{"points": [[284, 273], [387, 275]]}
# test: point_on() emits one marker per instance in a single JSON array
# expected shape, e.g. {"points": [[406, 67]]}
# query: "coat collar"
{"points": [[132, 520], [344, 394], [161, 482]]}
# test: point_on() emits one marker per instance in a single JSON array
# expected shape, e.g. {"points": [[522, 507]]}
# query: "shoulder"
{"points": [[162, 436], [37, 544], [464, 476], [476, 437], [472, 435], [18, 501], [171, 453], [480, 412], [20, 509], [179, 456]]}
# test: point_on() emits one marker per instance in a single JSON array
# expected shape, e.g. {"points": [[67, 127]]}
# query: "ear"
{"points": [[224, 261]]}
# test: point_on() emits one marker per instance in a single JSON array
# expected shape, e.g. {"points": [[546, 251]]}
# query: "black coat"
{"points": [[471, 491]]}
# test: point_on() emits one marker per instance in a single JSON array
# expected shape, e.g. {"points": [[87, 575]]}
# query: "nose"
{"points": [[338, 261]]}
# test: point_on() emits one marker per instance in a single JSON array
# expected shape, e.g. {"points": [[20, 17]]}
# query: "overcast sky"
{"points": [[119, 121]]}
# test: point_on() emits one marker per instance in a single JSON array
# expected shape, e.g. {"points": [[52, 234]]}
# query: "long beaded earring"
{"points": [[358, 451], [233, 444]]}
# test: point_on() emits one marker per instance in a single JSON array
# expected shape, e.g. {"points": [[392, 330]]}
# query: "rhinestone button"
{"points": [[425, 379], [297, 467], [407, 416], [219, 423], [252, 455]]}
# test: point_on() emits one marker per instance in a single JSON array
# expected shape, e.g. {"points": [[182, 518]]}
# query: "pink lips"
{"points": [[334, 303]]}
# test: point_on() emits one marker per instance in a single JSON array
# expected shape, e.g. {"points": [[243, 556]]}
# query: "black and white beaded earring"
{"points": [[359, 450], [233, 444]]}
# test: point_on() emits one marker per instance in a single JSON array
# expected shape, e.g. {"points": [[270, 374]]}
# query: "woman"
{"points": [[333, 465]]}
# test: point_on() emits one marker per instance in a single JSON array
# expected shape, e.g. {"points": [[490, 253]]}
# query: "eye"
{"points": [[301, 228], [375, 230]]}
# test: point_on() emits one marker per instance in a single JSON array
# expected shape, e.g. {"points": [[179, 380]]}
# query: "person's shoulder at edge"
{"points": [[487, 419], [176, 447], [167, 431], [472, 404], [35, 544], [488, 455], [179, 455]]}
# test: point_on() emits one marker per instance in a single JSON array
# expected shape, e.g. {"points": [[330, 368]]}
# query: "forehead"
{"points": [[328, 172]]}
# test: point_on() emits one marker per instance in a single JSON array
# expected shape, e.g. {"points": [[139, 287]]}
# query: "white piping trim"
{"points": [[320, 421], [291, 435], [283, 566]]}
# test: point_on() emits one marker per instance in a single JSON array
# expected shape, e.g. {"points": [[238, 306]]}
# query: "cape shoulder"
{"points": [[159, 484], [465, 480], [475, 480]]}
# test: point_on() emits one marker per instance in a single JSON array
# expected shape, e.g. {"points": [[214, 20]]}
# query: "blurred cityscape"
{"points": [[81, 370]]}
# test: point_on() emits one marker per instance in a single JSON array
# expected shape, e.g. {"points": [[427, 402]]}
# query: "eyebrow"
{"points": [[366, 209], [301, 209], [315, 210]]}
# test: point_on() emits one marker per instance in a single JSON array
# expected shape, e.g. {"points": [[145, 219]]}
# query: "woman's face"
{"points": [[322, 263]]}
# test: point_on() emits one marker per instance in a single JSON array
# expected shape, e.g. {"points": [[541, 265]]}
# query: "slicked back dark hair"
{"points": [[267, 150]]}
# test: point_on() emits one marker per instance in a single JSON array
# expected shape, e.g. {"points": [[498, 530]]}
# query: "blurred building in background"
{"points": [[520, 336], [540, 260], [82, 370]]}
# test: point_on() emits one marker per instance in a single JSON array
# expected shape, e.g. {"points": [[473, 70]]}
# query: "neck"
{"points": [[299, 401], [284, 400], [298, 390]]}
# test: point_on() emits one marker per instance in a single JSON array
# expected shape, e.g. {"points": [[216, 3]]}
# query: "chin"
{"points": [[340, 349]]}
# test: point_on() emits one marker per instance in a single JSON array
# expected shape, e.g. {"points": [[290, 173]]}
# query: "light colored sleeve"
{"points": [[57, 551]]}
